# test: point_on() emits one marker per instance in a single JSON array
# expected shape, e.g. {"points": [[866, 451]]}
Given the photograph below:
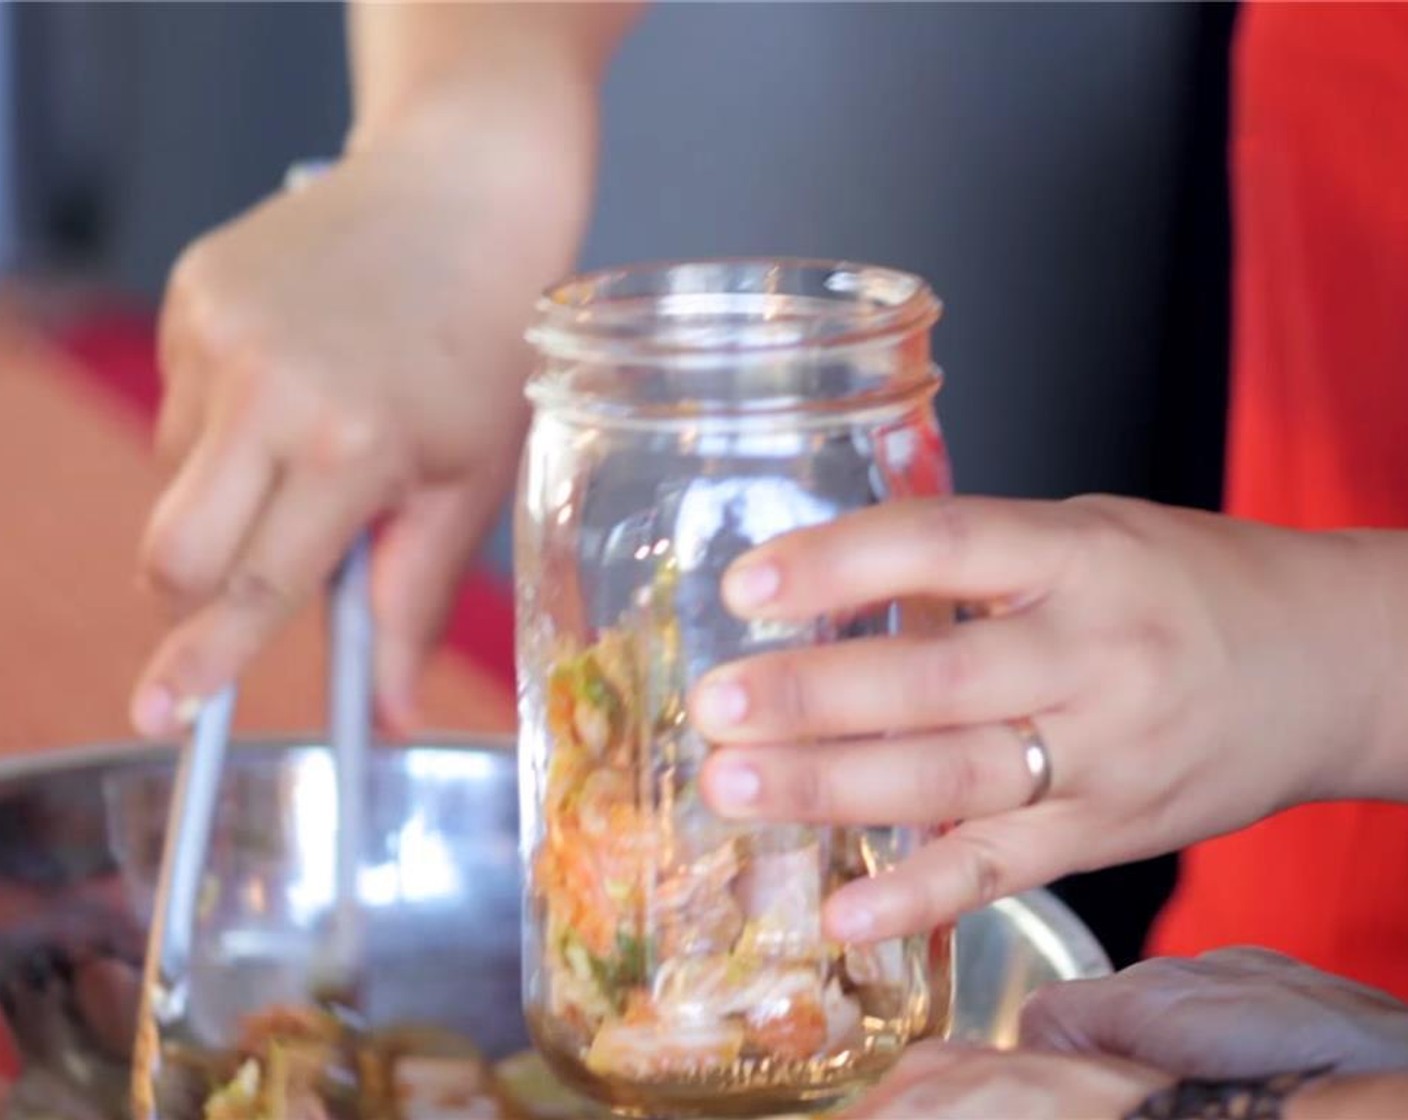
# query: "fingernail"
{"points": [[851, 923], [153, 709], [752, 584], [187, 711], [735, 785], [721, 703]]}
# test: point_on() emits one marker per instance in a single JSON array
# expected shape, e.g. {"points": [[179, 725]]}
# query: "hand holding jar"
{"points": [[1140, 677]]}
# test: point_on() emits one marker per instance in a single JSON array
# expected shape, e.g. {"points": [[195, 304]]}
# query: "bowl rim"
{"points": [[65, 759], [1043, 917]]}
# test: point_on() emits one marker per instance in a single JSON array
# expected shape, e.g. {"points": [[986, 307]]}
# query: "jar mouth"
{"points": [[742, 334], [730, 306]]}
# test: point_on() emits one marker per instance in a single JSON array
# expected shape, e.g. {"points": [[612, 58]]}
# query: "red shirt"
{"points": [[1318, 434]]}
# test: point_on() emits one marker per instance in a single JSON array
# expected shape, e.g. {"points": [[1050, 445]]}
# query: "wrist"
{"points": [[508, 170], [510, 131], [1373, 589], [438, 76], [491, 108]]}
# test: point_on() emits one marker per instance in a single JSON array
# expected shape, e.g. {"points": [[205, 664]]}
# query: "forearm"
{"points": [[416, 61], [1331, 612], [486, 109], [1378, 590]]}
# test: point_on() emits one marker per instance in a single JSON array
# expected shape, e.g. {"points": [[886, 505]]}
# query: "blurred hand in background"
{"points": [[353, 351]]}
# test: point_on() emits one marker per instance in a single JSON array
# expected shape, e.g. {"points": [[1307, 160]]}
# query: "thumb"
{"points": [[421, 555]]}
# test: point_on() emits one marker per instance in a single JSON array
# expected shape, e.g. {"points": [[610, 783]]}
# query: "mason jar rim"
{"points": [[738, 306], [733, 336]]}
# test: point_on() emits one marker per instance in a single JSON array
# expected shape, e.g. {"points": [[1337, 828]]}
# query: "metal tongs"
{"points": [[197, 787], [193, 805]]}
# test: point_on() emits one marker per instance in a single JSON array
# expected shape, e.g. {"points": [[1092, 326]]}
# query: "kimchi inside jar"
{"points": [[675, 962]]}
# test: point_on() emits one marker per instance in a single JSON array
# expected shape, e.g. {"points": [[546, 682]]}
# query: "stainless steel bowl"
{"points": [[80, 842]]}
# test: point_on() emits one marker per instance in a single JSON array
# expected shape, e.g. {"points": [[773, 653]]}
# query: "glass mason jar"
{"points": [[674, 962]]}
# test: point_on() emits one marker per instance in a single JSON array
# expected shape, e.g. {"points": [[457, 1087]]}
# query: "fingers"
{"points": [[902, 1092], [919, 779], [1192, 1017], [969, 867], [956, 548], [308, 523], [202, 518], [420, 558], [183, 409], [1074, 1017], [999, 668], [941, 1081], [180, 362], [1167, 1009]]}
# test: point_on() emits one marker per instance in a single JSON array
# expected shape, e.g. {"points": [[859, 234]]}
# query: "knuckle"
{"points": [[809, 790], [249, 363], [1135, 666], [172, 567], [984, 868], [188, 272], [346, 439], [946, 525], [196, 309], [1153, 648], [955, 778], [1158, 974], [951, 668], [1155, 968], [1110, 543], [259, 595], [186, 666], [1242, 956], [1101, 530], [944, 780], [789, 685]]}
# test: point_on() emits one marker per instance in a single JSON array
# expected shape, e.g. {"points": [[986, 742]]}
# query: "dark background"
{"points": [[1057, 171]]}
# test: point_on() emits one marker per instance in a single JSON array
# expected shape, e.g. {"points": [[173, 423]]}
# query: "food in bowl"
{"points": [[305, 1063]]}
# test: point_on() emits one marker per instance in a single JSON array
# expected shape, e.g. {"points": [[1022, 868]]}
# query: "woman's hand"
{"points": [[1187, 673], [353, 351], [942, 1082], [1231, 1013]]}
